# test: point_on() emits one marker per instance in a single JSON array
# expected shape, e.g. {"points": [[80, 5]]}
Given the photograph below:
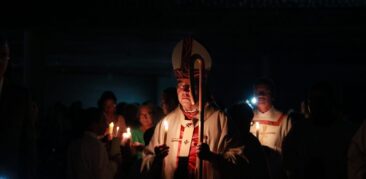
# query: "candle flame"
{"points": [[117, 130], [257, 125], [127, 135], [166, 125], [111, 125]]}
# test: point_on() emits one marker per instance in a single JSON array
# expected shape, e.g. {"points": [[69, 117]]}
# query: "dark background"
{"points": [[68, 51], [74, 50]]}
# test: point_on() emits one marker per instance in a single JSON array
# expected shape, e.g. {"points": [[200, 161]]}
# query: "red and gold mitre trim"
{"points": [[182, 55]]}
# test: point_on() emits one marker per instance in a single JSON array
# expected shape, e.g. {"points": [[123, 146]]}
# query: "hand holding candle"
{"points": [[126, 136], [166, 127]]}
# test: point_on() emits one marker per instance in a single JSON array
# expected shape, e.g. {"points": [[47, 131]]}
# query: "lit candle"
{"points": [[166, 127], [257, 129], [117, 131], [111, 126], [126, 136], [128, 131]]}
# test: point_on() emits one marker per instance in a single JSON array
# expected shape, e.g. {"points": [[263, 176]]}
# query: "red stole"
{"points": [[271, 123], [192, 158]]}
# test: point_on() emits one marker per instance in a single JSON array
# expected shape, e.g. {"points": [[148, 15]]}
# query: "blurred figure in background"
{"points": [[18, 157], [146, 121], [88, 156], [107, 103], [317, 147], [130, 113], [169, 100], [148, 116], [241, 115], [357, 154]]}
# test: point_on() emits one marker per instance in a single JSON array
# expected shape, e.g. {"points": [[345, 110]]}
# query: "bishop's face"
{"points": [[184, 95]]}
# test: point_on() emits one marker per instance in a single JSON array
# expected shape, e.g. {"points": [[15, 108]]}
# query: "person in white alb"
{"points": [[178, 156], [273, 124], [269, 125]]}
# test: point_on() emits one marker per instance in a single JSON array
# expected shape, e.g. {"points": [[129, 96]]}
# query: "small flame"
{"points": [[117, 130], [111, 125], [127, 135], [166, 125], [257, 125], [128, 130]]}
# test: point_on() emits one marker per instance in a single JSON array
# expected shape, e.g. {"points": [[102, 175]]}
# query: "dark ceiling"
{"points": [[298, 43]]}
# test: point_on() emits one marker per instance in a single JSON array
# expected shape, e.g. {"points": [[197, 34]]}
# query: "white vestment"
{"points": [[215, 135], [273, 128]]}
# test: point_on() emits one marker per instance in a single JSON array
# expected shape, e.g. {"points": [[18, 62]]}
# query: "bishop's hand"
{"points": [[204, 152], [161, 151]]}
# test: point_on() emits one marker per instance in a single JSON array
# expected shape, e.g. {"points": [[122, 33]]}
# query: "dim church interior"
{"points": [[99, 46]]}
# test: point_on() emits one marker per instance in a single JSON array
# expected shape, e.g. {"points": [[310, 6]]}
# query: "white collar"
{"points": [[208, 111], [267, 114]]}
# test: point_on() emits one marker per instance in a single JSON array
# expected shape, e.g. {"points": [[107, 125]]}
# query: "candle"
{"points": [[117, 131], [126, 136], [111, 126], [166, 127], [257, 129]]}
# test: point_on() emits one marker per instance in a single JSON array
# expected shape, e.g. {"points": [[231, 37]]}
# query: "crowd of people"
{"points": [[249, 139]]}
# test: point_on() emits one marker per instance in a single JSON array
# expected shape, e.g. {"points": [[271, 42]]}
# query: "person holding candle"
{"points": [[107, 103], [241, 114], [174, 150], [146, 116], [271, 125], [147, 119]]}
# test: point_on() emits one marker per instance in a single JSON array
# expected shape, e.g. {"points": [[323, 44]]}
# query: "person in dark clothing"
{"points": [[17, 129], [317, 146], [242, 115]]}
